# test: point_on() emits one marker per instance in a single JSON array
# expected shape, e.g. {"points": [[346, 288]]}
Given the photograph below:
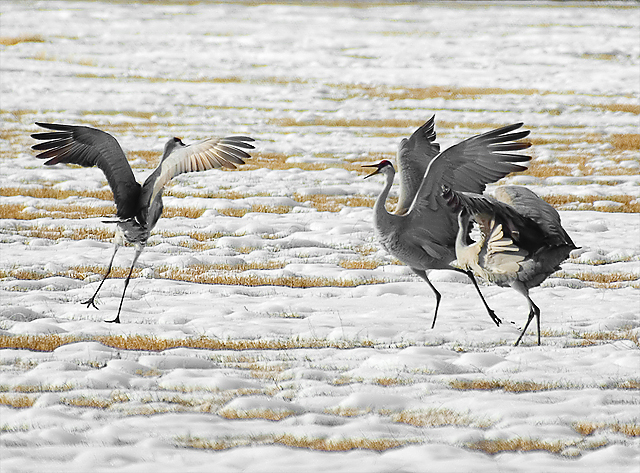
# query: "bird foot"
{"points": [[496, 320], [91, 302], [114, 321]]}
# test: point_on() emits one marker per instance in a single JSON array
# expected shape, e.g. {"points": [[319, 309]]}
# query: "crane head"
{"points": [[170, 145], [379, 167]]}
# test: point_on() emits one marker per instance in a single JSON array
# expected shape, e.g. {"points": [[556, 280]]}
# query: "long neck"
{"points": [[379, 208], [384, 221], [464, 253]]}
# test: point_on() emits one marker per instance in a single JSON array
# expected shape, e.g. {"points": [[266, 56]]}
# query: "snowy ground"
{"points": [[266, 331]]}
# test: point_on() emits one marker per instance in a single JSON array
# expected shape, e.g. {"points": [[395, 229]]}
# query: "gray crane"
{"points": [[521, 241], [138, 207], [422, 230]]}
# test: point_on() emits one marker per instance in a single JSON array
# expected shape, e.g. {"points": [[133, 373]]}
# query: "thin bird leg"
{"points": [[139, 249], [423, 275], [492, 314], [92, 301], [533, 311]]}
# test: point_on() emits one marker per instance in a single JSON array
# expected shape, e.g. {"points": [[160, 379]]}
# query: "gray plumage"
{"points": [[521, 240], [421, 232], [138, 207]]}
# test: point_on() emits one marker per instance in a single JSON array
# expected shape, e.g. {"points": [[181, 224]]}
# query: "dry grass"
{"points": [[17, 401], [588, 428], [51, 193], [520, 444], [255, 280], [590, 338], [335, 203], [185, 212], [41, 388], [58, 232], [267, 414], [620, 107], [599, 279], [378, 123], [434, 92], [25, 38], [436, 418], [319, 444], [506, 385], [627, 201], [626, 142], [256, 208], [86, 401], [280, 161], [21, 211], [47, 343], [77, 211], [362, 264], [339, 445]]}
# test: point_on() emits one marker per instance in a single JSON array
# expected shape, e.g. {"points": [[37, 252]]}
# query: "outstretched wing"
{"points": [[529, 205], [498, 253], [524, 231], [91, 147], [207, 154], [472, 164], [414, 155]]}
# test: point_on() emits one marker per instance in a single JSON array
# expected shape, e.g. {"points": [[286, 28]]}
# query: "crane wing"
{"points": [[207, 154], [414, 155], [498, 253], [88, 147], [473, 163], [525, 231], [529, 205]]}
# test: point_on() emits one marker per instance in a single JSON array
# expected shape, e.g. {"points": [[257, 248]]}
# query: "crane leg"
{"points": [[423, 275], [139, 249], [533, 311], [492, 314], [92, 301]]}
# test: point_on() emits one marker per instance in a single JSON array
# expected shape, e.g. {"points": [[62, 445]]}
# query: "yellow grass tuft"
{"points": [[434, 92], [52, 193], [335, 203], [340, 445], [599, 279], [48, 343], [588, 428], [25, 38], [592, 337], [621, 107], [507, 385], [267, 414], [626, 142], [17, 401], [435, 418], [629, 204], [517, 444], [361, 264]]}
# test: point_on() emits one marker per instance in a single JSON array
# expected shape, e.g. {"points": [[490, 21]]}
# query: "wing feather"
{"points": [[472, 164], [499, 254], [414, 155], [208, 154], [88, 147]]}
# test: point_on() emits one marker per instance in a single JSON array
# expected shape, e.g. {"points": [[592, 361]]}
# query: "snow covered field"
{"points": [[265, 330]]}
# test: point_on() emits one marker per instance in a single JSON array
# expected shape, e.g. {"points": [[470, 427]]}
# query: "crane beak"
{"points": [[377, 170]]}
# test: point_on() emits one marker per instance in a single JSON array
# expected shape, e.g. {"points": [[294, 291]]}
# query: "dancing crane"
{"points": [[521, 240], [138, 207], [421, 232]]}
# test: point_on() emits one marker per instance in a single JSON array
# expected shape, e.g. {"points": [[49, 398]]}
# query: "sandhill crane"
{"points": [[421, 232], [138, 207], [521, 240]]}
